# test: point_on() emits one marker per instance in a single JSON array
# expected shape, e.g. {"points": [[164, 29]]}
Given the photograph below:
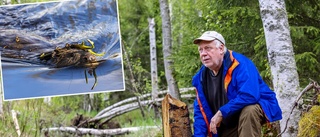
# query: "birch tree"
{"points": [[1, 92], [153, 62], [167, 49], [1, 100], [281, 60]]}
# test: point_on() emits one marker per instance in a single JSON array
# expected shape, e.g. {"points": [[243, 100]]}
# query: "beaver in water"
{"points": [[34, 50], [74, 54]]}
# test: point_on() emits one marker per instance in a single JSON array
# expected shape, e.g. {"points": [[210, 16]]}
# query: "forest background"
{"points": [[239, 21]]}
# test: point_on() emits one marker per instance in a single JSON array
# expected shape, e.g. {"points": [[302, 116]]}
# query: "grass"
{"points": [[34, 115], [135, 119]]}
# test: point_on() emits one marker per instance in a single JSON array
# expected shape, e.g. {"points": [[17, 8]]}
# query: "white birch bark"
{"points": [[1, 91], [47, 100], [281, 60], [167, 49], [16, 123], [153, 62], [1, 102], [6, 2], [142, 97], [119, 110], [86, 103], [98, 132]]}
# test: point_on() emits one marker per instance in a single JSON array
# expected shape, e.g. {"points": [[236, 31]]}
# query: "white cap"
{"points": [[210, 36]]}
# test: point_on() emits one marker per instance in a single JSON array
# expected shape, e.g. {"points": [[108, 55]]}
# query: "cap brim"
{"points": [[198, 40]]}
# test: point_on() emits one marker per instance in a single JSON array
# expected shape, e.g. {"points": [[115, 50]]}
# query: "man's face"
{"points": [[210, 55]]}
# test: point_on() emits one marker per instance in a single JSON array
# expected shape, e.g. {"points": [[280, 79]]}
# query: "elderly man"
{"points": [[232, 99]]}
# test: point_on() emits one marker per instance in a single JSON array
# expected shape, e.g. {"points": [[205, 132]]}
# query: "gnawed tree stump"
{"points": [[175, 118]]}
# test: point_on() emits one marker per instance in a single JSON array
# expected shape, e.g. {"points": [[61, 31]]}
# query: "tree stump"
{"points": [[175, 118]]}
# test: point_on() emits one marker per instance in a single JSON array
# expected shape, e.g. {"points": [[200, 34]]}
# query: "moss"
{"points": [[309, 125]]}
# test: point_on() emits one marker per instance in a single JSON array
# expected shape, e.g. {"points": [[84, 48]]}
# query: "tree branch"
{"points": [[311, 85], [99, 132]]}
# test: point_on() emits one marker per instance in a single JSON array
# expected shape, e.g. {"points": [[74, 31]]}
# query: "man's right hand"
{"points": [[215, 122]]}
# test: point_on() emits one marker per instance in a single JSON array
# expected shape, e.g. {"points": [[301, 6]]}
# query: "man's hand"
{"points": [[215, 122]]}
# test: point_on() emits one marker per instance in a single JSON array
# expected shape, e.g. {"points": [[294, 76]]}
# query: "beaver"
{"points": [[35, 50]]}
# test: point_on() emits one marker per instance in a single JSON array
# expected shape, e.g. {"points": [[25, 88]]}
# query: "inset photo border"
{"points": [[60, 48]]}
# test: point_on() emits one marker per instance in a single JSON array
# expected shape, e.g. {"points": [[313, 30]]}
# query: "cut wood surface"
{"points": [[128, 105], [175, 118]]}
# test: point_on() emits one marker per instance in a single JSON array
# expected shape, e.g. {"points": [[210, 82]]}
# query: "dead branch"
{"points": [[182, 90], [116, 111], [15, 121], [311, 85], [103, 132], [132, 80]]}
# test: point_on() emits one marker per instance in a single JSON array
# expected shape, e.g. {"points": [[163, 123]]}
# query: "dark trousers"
{"points": [[249, 124]]}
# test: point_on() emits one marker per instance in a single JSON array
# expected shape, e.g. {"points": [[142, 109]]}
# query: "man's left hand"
{"points": [[215, 122]]}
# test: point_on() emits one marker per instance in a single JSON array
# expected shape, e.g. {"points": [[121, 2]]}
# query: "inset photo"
{"points": [[60, 48]]}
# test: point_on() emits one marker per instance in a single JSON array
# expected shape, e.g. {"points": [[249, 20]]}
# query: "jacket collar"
{"points": [[227, 61]]}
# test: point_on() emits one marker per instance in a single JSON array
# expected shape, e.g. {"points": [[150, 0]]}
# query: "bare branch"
{"points": [[311, 85], [110, 132]]}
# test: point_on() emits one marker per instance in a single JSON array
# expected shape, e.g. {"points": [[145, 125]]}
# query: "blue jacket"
{"points": [[244, 86]]}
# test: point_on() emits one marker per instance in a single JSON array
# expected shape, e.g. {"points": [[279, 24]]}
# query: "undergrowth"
{"points": [[309, 125]]}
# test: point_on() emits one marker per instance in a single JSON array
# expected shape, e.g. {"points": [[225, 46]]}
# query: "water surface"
{"points": [[42, 27]]}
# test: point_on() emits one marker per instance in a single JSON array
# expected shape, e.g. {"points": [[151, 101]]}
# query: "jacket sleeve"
{"points": [[199, 125], [245, 89]]}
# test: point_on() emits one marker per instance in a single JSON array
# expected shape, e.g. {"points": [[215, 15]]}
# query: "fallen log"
{"points": [[108, 115], [100, 132], [129, 107], [182, 90], [175, 118]]}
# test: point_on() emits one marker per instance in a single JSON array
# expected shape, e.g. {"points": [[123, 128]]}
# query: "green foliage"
{"points": [[34, 114], [305, 31], [186, 23], [134, 119], [28, 114], [78, 102], [238, 21], [28, 1], [261, 58], [135, 38]]}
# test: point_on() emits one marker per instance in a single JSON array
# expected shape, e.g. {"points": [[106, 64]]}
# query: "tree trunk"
{"points": [[1, 104], [167, 49], [47, 100], [153, 62], [6, 2], [1, 95], [16, 123], [175, 118], [87, 106], [281, 60]]}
